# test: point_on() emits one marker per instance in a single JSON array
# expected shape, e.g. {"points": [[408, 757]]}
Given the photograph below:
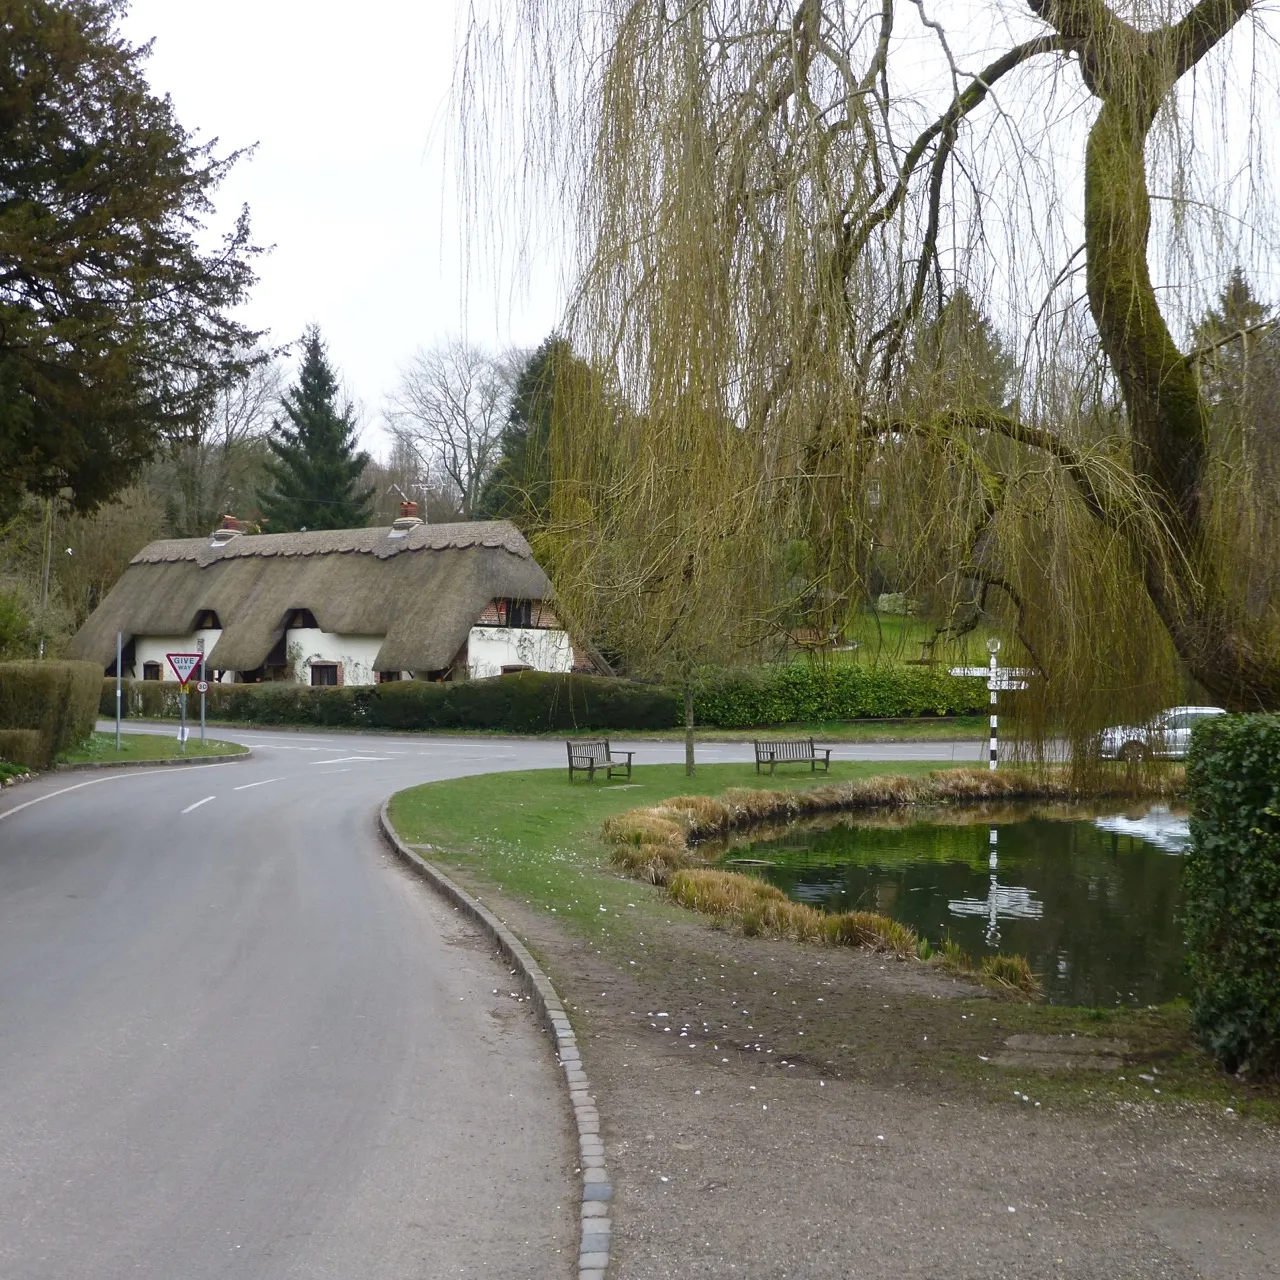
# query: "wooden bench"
{"points": [[792, 751], [590, 754]]}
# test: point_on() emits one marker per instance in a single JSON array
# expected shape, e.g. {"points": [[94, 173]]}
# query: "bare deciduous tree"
{"points": [[450, 406], [214, 467]]}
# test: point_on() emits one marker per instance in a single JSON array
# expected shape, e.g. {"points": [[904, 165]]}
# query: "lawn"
{"points": [[535, 837], [101, 749], [921, 729]]}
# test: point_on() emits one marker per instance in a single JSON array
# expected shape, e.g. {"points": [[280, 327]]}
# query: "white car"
{"points": [[1165, 738]]}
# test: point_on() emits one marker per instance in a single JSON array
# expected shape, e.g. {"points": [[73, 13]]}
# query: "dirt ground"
{"points": [[773, 1110]]}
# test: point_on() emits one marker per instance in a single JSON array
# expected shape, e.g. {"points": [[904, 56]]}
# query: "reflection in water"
{"points": [[1091, 902], [1160, 827]]}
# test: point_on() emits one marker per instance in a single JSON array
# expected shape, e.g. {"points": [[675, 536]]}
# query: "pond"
{"points": [[1092, 898]]}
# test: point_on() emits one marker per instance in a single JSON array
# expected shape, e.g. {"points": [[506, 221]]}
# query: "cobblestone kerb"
{"points": [[597, 1190], [152, 764]]}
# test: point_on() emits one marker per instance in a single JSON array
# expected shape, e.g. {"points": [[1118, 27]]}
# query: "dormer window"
{"points": [[516, 613], [207, 620], [302, 620]]}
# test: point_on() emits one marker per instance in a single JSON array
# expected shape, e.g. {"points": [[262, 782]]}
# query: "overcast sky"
{"points": [[350, 181]]}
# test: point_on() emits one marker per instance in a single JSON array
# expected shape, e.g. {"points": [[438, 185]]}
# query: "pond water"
{"points": [[1090, 897]]}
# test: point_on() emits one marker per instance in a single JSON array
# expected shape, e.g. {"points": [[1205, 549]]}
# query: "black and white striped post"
{"points": [[993, 750], [998, 678]]}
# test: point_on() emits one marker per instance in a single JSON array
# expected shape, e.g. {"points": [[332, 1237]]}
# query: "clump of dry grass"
{"points": [[697, 815], [643, 826], [654, 863], [869, 929], [1012, 972], [748, 805]]}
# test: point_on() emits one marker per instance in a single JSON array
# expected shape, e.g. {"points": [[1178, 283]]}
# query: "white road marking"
{"points": [[327, 772], [198, 803], [249, 785], [356, 759], [93, 782]]}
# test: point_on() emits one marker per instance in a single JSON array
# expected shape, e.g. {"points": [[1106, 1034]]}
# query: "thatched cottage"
{"points": [[340, 606]]}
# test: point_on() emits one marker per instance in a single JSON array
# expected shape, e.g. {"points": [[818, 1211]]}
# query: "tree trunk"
{"points": [[690, 769], [1168, 419]]}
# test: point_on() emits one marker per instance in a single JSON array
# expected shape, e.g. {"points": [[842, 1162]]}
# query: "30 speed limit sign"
{"points": [[202, 686]]}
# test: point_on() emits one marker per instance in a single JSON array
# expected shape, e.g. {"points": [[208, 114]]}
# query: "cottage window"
{"points": [[385, 677], [151, 671], [324, 673], [302, 620], [207, 620], [519, 613]]}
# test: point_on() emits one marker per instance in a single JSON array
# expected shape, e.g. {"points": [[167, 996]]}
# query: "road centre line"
{"points": [[249, 785], [356, 759], [94, 782], [197, 804]]}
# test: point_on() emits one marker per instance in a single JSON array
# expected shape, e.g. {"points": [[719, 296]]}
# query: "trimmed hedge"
{"points": [[525, 702], [537, 701], [1233, 889], [58, 701], [803, 692]]}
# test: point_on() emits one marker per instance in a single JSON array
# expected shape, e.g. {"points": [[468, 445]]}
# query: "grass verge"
{"points": [[101, 749]]}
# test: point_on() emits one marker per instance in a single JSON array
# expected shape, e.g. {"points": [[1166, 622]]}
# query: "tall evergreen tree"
{"points": [[116, 313], [315, 471], [519, 487]]}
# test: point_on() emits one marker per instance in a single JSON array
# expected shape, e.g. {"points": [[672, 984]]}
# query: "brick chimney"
{"points": [[408, 511]]}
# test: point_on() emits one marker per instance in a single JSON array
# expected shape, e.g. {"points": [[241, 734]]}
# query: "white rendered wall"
{"points": [[303, 646], [154, 648], [489, 649]]}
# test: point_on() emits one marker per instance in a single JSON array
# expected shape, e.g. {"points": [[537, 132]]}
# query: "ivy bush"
{"points": [[46, 707], [1233, 889]]}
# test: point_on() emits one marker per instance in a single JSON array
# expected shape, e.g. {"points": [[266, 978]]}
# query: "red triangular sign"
{"points": [[184, 665]]}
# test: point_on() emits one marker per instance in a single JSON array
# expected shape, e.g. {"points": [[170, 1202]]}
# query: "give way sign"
{"points": [[184, 665]]}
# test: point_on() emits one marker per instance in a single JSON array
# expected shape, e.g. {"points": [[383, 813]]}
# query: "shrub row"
{"points": [[804, 692], [535, 701], [1232, 886], [525, 702], [45, 707]]}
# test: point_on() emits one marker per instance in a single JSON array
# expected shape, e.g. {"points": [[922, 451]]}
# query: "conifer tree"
{"points": [[519, 486], [315, 471]]}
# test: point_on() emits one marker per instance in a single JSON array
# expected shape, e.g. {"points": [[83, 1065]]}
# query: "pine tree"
{"points": [[961, 361], [519, 486], [315, 472]]}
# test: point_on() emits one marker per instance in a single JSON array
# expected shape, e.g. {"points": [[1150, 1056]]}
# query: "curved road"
{"points": [[237, 1040]]}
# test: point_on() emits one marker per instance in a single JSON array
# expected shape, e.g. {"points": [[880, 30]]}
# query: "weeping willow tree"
{"points": [[775, 204]]}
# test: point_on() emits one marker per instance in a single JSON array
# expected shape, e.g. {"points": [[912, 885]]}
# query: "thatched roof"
{"points": [[423, 591]]}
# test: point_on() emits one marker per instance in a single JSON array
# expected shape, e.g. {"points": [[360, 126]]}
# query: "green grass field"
{"points": [[924, 729], [535, 837], [101, 749]]}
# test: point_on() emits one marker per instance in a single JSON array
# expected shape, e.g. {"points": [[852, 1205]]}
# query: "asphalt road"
{"points": [[236, 1039]]}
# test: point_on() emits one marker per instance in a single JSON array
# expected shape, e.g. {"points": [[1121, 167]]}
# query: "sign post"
{"points": [[203, 688], [119, 658], [999, 678], [184, 666]]}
